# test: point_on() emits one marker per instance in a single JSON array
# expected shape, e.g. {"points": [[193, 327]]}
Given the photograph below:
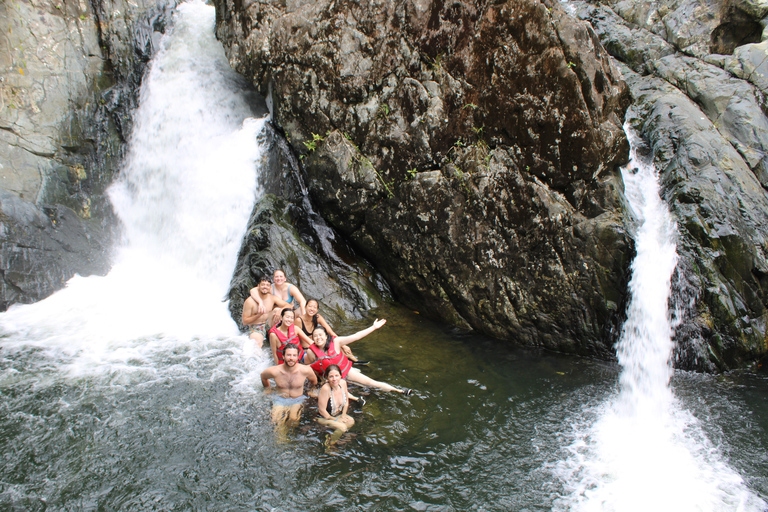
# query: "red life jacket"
{"points": [[292, 338], [332, 357]]}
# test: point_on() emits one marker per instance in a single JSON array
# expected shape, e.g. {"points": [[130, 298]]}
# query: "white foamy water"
{"points": [[184, 196], [642, 451]]}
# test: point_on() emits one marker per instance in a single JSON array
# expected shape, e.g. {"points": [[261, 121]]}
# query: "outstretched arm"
{"points": [[297, 295], [306, 341], [344, 340]]}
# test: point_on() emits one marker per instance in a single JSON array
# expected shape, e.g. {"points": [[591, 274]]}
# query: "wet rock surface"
{"points": [[70, 81], [468, 150], [697, 77], [284, 232]]}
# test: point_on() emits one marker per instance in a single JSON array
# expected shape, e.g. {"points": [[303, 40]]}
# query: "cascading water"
{"points": [[184, 197], [645, 451]]}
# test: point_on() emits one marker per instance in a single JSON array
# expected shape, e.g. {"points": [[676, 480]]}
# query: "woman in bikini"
{"points": [[332, 403]]}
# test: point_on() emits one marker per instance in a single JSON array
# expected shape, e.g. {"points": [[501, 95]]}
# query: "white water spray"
{"points": [[645, 452], [184, 196]]}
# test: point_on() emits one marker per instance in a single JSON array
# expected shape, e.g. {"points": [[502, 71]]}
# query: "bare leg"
{"points": [[294, 413], [357, 377], [257, 338], [342, 423], [279, 414], [285, 418]]}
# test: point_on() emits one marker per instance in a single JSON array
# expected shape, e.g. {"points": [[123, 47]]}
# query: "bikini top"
{"points": [[289, 300], [331, 407]]}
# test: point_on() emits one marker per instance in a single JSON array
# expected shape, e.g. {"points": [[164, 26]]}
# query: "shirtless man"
{"points": [[289, 384], [254, 317], [286, 291]]}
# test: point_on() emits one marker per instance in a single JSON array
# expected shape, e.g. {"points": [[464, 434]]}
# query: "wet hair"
{"points": [[284, 311], [266, 278], [278, 270], [328, 370], [291, 346]]}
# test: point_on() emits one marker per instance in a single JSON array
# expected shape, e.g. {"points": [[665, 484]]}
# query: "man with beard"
{"points": [[256, 315], [289, 378]]}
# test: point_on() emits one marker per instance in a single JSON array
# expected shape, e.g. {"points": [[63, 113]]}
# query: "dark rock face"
{"points": [[285, 233], [468, 149], [702, 114], [71, 80]]}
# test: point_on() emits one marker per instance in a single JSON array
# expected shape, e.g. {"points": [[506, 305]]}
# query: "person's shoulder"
{"points": [[271, 370]]}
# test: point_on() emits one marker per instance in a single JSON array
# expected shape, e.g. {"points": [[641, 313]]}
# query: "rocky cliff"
{"points": [[697, 73], [70, 77], [468, 149]]}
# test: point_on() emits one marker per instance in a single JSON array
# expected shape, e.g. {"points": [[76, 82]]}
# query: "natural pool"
{"points": [[184, 426]]}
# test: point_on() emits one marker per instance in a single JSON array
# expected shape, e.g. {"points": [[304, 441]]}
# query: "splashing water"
{"points": [[184, 196], [644, 451]]}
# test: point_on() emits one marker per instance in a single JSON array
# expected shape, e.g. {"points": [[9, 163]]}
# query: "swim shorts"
{"points": [[259, 328], [282, 401]]}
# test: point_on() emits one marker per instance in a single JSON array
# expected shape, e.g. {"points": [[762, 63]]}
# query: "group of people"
{"points": [[305, 350]]}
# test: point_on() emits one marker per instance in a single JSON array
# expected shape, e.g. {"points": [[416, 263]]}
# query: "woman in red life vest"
{"points": [[324, 352], [310, 319], [284, 333]]}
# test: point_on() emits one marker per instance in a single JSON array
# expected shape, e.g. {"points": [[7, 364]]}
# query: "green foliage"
{"points": [[312, 144], [384, 109]]}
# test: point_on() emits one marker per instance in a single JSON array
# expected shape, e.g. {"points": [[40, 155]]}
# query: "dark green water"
{"points": [[186, 427]]}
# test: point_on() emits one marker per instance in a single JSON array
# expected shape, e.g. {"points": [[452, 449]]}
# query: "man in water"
{"points": [[289, 378], [255, 316]]}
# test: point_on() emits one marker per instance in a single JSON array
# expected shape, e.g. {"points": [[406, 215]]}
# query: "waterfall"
{"points": [[643, 450], [184, 196]]}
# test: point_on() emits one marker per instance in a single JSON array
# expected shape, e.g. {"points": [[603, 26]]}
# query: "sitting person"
{"points": [[289, 378], [332, 404], [324, 352], [257, 314], [308, 321], [284, 334], [286, 291]]}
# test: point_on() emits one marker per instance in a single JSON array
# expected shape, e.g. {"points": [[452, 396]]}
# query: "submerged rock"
{"points": [[469, 150]]}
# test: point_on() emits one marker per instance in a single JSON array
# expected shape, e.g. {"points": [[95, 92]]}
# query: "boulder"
{"points": [[468, 150]]}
